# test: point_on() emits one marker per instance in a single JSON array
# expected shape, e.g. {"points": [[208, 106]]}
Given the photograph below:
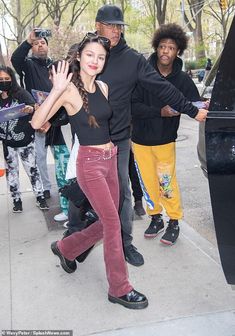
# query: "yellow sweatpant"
{"points": [[156, 169]]}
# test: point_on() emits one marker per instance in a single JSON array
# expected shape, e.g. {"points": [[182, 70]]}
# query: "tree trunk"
{"points": [[161, 10], [194, 24], [200, 47], [18, 24], [2, 61]]}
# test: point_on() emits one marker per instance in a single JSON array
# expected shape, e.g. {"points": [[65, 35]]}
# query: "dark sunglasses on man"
{"points": [[112, 26]]}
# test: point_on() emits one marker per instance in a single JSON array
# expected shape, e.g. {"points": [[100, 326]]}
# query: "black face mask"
{"points": [[5, 86]]}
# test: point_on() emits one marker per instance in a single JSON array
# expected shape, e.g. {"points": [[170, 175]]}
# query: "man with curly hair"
{"points": [[155, 131]]}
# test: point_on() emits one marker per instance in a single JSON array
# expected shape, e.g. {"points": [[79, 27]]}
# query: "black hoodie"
{"points": [[33, 70], [124, 70], [149, 128]]}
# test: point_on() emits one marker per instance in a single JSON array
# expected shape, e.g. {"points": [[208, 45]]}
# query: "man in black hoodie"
{"points": [[155, 131], [124, 69], [34, 74]]}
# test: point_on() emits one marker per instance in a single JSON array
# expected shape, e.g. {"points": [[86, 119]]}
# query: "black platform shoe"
{"points": [[68, 265], [132, 300]]}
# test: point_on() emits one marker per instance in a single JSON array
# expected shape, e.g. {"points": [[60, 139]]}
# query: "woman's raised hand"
{"points": [[60, 77]]}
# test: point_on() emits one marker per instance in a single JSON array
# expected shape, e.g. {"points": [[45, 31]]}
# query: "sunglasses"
{"points": [[112, 26], [93, 37]]}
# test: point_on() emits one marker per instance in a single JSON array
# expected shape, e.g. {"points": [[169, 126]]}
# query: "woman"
{"points": [[17, 136], [86, 103]]}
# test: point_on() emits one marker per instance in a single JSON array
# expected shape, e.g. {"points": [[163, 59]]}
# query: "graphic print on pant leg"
{"points": [[12, 171], [163, 172], [147, 198], [28, 159], [61, 156]]}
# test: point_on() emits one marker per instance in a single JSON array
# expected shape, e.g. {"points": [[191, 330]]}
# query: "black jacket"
{"points": [[17, 132], [34, 74], [124, 69], [149, 128]]}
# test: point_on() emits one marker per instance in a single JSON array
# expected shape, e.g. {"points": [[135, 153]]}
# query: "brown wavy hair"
{"points": [[73, 52]]}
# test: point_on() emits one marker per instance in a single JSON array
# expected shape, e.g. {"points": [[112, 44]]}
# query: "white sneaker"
{"points": [[60, 217]]}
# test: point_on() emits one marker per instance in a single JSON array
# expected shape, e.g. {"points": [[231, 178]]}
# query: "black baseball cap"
{"points": [[110, 14]]}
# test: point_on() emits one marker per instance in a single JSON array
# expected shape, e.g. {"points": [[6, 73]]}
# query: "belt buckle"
{"points": [[108, 152]]}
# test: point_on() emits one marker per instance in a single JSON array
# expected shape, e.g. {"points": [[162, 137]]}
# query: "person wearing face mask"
{"points": [[17, 137], [34, 74]]}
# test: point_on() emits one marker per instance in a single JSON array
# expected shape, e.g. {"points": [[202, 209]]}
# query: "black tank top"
{"points": [[101, 110]]}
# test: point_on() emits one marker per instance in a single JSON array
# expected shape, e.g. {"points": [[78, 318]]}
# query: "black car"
{"points": [[216, 151], [206, 95]]}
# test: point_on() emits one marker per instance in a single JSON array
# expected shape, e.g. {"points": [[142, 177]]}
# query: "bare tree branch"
{"points": [[195, 10], [43, 20], [8, 10], [77, 12], [56, 9], [7, 38], [32, 13], [222, 16], [9, 26]]}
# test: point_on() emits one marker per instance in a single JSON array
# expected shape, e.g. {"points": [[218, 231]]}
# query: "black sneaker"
{"points": [[172, 232], [156, 226], [68, 266], [47, 194], [139, 209], [132, 256], [17, 206], [41, 203]]}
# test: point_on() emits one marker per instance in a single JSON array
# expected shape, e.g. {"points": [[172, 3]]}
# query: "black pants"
{"points": [[74, 216], [135, 184]]}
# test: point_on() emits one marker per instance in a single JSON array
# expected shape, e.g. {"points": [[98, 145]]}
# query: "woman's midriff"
{"points": [[108, 145]]}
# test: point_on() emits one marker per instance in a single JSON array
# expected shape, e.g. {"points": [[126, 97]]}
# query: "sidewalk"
{"points": [[187, 291]]}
